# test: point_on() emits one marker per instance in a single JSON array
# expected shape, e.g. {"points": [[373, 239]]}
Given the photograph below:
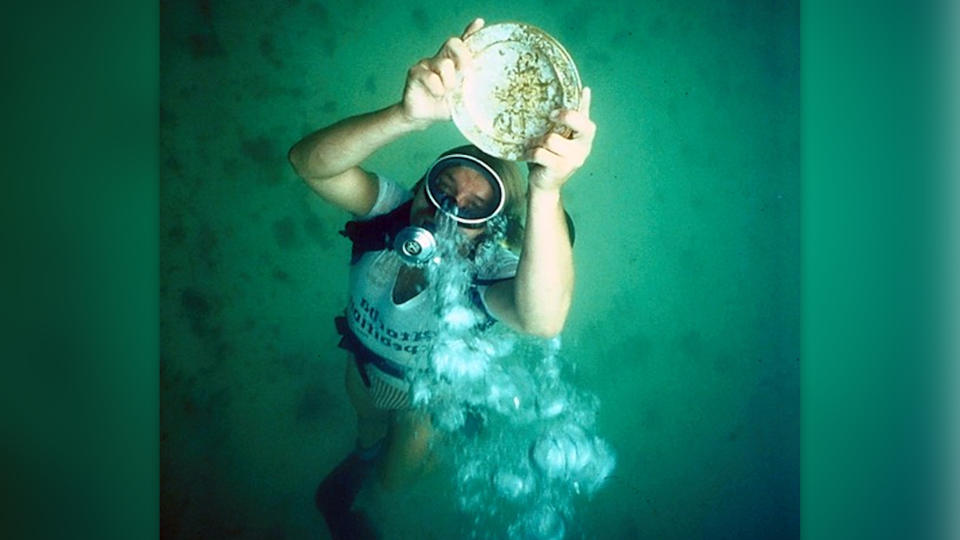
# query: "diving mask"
{"points": [[441, 189]]}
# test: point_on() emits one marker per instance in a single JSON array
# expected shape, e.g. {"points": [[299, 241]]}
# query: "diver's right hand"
{"points": [[431, 79]]}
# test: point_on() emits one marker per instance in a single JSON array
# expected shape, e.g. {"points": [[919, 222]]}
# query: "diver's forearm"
{"points": [[334, 149], [544, 284]]}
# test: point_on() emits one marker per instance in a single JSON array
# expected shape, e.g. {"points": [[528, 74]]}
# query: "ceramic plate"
{"points": [[519, 75]]}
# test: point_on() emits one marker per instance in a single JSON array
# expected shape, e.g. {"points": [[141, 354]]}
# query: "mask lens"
{"points": [[442, 190]]}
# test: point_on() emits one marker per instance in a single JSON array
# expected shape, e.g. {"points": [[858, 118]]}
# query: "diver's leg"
{"points": [[339, 488], [372, 423], [408, 448]]}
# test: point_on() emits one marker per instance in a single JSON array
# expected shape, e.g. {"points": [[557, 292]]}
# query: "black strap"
{"points": [[376, 234], [362, 355]]}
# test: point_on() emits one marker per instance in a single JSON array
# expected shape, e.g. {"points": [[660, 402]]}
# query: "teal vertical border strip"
{"points": [[869, 356], [78, 392]]}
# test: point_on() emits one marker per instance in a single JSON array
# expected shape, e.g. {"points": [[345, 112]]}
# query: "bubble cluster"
{"points": [[518, 434]]}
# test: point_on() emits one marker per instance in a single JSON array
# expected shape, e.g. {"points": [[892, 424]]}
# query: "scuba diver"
{"points": [[389, 320]]}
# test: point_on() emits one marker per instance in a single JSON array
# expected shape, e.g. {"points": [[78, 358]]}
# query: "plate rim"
{"points": [[458, 109]]}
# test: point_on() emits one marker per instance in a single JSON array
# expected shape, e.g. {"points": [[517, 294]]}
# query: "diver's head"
{"points": [[471, 187]]}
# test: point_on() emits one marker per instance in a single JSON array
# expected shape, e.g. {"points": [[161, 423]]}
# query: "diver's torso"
{"points": [[396, 331], [400, 325]]}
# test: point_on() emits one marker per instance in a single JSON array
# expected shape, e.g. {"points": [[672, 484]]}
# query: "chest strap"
{"points": [[362, 355], [376, 234]]}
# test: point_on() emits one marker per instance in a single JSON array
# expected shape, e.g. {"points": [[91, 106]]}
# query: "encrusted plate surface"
{"points": [[519, 75]]}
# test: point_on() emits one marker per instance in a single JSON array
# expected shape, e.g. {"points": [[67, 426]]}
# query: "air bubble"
{"points": [[519, 435]]}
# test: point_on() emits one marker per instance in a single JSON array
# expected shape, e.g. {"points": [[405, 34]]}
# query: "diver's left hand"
{"points": [[554, 158]]}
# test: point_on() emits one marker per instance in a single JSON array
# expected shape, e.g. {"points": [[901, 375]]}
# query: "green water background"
{"points": [[685, 321]]}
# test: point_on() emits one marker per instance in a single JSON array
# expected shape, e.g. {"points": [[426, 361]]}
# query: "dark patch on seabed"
{"points": [[172, 165], [285, 233], [421, 19], [316, 230], [629, 528], [266, 154], [207, 247], [176, 234], [319, 12], [206, 45], [197, 308], [637, 348], [281, 276], [167, 118], [329, 106], [268, 50], [231, 168], [206, 403], [205, 8], [201, 312], [261, 149], [651, 419], [293, 364], [328, 44], [173, 508], [314, 404]]}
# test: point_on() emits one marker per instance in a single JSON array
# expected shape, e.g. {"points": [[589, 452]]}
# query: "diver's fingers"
{"points": [[434, 84], [446, 70], [563, 147], [428, 78], [545, 157], [460, 53], [474, 25], [579, 122], [585, 99]]}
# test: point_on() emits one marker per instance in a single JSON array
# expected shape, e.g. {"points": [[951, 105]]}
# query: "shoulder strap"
{"points": [[377, 233]]}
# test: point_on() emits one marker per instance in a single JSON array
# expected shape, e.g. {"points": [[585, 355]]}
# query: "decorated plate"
{"points": [[519, 75]]}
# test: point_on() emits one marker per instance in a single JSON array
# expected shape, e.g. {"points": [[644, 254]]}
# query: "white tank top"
{"points": [[401, 332]]}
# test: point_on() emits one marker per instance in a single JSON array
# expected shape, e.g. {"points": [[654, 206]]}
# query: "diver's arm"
{"points": [[328, 159], [332, 150], [538, 299]]}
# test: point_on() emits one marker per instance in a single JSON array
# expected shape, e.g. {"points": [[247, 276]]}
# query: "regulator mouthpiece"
{"points": [[416, 245]]}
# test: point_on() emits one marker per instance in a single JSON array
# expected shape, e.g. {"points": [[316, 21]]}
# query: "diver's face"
{"points": [[465, 186]]}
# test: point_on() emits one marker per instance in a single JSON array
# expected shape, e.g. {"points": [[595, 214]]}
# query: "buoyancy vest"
{"points": [[377, 234]]}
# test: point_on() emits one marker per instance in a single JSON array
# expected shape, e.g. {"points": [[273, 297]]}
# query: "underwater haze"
{"points": [[685, 324]]}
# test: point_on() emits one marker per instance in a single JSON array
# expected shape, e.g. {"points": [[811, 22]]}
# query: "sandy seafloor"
{"points": [[685, 321]]}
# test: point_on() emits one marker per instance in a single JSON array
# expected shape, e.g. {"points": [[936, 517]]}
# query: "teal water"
{"points": [[685, 322]]}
